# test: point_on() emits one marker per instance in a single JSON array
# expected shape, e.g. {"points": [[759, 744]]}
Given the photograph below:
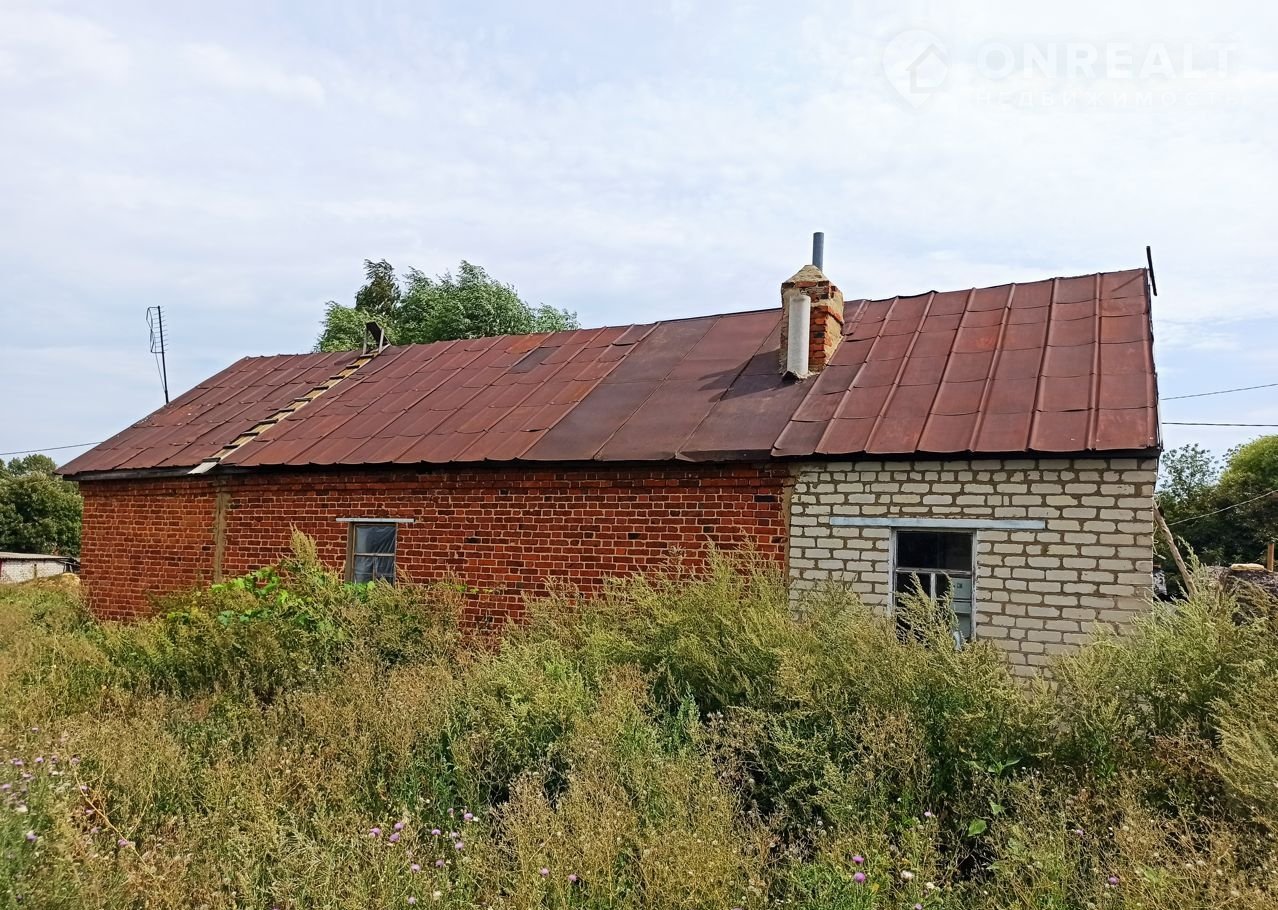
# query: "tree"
{"points": [[1224, 512], [39, 511], [419, 309]]}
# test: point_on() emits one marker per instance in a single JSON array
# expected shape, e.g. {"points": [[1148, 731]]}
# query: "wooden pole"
{"points": [[1269, 556], [1175, 551]]}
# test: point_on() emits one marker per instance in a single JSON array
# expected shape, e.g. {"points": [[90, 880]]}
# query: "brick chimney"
{"points": [[810, 305]]}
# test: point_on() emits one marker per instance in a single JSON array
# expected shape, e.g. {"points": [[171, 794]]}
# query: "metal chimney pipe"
{"points": [[798, 333], [818, 250]]}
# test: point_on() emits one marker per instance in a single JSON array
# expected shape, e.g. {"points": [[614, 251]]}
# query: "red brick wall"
{"points": [[144, 538], [502, 531]]}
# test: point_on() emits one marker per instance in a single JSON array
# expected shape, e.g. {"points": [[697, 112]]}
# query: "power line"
{"points": [[79, 445], [1181, 521], [1246, 388]]}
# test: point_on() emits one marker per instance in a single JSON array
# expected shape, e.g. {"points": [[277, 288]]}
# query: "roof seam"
{"points": [[1093, 398], [621, 426], [1042, 362], [996, 358], [727, 388], [931, 408], [576, 404], [895, 387]]}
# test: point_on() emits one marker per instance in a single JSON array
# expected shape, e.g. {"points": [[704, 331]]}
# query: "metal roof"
{"points": [[1057, 366]]}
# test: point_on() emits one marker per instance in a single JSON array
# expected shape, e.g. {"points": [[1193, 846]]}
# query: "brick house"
{"points": [[998, 444]]}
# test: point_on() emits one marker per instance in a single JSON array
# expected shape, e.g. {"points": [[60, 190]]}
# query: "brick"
{"points": [[502, 531]]}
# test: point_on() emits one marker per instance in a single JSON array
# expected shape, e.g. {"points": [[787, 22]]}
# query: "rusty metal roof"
{"points": [[1057, 366], [1064, 365], [199, 423]]}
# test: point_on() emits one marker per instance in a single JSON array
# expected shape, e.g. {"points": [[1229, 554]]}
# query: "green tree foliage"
{"points": [[418, 309], [39, 511], [1222, 510]]}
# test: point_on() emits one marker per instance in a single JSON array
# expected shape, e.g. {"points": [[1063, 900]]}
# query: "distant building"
{"points": [[15, 567], [997, 446]]}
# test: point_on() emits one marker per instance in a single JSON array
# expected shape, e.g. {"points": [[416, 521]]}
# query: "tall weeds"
{"points": [[682, 740]]}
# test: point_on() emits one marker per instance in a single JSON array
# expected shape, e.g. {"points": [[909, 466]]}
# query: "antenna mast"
{"points": [[155, 321]]}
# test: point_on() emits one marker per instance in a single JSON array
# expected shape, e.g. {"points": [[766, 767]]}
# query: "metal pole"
{"points": [[818, 250], [164, 366]]}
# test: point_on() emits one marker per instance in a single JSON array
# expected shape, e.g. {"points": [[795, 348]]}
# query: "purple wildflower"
{"points": [[123, 842], [374, 832], [458, 845], [399, 826], [927, 814], [572, 878], [39, 759], [468, 817], [31, 836], [858, 859], [415, 867], [411, 899], [394, 838], [439, 864], [544, 871], [435, 832], [859, 878], [1112, 881]]}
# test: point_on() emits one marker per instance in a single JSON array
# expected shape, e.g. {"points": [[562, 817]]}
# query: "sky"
{"points": [[236, 162]]}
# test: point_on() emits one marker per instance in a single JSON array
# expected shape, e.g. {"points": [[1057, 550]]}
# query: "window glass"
{"points": [[375, 538], [934, 550], [939, 565], [372, 552], [368, 568]]}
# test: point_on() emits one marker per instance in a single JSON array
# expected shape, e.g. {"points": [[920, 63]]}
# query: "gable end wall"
{"points": [[1038, 593]]}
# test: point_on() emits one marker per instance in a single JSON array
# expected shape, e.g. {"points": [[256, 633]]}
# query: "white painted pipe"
{"points": [[797, 334]]}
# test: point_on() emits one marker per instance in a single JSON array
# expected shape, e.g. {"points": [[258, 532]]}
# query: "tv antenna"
{"points": [[155, 322]]}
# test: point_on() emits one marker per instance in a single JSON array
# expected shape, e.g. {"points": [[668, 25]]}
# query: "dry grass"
{"points": [[680, 742]]}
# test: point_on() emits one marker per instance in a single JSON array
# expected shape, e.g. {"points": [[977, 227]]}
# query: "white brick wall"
{"points": [[1037, 592], [15, 570]]}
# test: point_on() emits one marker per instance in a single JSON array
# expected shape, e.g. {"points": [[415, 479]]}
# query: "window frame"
{"points": [[894, 568], [352, 530]]}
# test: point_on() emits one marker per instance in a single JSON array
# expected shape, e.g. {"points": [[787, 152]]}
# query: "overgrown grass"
{"points": [[682, 741]]}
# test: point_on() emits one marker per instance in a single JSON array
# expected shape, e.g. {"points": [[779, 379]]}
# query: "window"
{"points": [[371, 551], [942, 563]]}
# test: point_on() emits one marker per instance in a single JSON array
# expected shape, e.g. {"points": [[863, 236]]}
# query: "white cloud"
{"points": [[222, 67], [39, 44]]}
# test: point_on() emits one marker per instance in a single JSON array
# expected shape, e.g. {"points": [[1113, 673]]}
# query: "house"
{"points": [[15, 567], [1000, 444]]}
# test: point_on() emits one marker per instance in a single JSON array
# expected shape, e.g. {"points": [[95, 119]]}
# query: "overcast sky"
{"points": [[236, 162]]}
